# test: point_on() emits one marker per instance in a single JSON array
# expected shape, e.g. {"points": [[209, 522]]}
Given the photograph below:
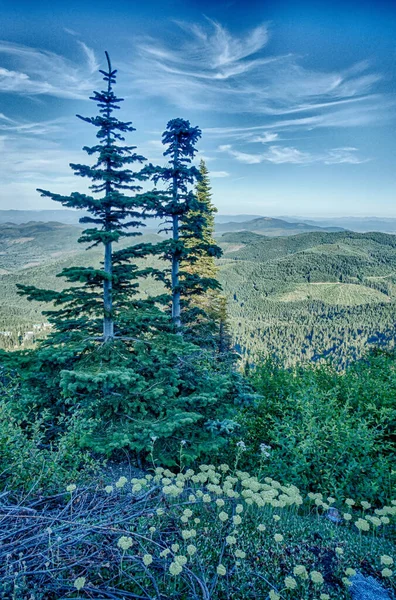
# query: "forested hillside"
{"points": [[309, 296]]}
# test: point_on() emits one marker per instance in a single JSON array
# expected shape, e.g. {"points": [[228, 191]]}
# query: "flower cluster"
{"points": [[223, 518]]}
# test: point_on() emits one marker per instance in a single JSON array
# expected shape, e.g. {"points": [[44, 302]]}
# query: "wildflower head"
{"points": [[290, 583], [147, 559], [71, 487], [221, 570], [175, 568], [124, 542], [386, 560], [300, 571], [265, 450], [386, 572], [278, 537], [362, 525], [261, 527], [109, 489], [316, 577], [121, 482], [241, 445], [191, 550], [79, 583], [223, 516], [273, 595]]}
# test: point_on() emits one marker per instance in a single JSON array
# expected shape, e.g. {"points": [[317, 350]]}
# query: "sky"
{"points": [[296, 100]]}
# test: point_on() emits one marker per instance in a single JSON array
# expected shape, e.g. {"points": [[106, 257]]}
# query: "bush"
{"points": [[215, 533], [27, 460], [327, 431]]}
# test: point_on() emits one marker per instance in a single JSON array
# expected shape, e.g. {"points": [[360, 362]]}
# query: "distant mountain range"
{"points": [[273, 226]]}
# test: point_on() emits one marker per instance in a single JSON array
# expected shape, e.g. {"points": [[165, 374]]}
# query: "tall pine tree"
{"points": [[188, 216], [210, 304], [113, 215]]}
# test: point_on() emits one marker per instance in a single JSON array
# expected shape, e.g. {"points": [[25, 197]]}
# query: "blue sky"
{"points": [[296, 100]]}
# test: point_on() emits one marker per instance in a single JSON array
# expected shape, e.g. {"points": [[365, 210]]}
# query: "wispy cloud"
{"points": [[209, 68], [265, 137], [283, 154], [31, 162], [31, 71], [218, 174], [34, 128]]}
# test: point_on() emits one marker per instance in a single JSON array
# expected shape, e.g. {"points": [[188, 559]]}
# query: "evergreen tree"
{"points": [[113, 215], [189, 218], [203, 263], [209, 303]]}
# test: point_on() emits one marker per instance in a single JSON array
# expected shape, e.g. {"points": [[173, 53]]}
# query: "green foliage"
{"points": [[327, 431], [31, 458], [132, 392]]}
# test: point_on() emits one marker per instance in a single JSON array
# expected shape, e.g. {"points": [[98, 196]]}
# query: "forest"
{"points": [[187, 415]]}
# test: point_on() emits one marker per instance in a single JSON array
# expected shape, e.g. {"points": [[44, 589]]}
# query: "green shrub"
{"points": [[327, 431], [28, 461]]}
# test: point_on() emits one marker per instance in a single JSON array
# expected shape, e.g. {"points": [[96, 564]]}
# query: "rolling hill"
{"points": [[30, 244], [270, 227]]}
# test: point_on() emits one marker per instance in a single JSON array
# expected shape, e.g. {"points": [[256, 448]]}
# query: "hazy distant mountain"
{"points": [[232, 222], [28, 244], [71, 217], [272, 227], [68, 217], [235, 218], [359, 224]]}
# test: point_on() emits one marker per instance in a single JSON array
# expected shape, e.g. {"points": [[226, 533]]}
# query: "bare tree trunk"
{"points": [[108, 322], [175, 258], [175, 277]]}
